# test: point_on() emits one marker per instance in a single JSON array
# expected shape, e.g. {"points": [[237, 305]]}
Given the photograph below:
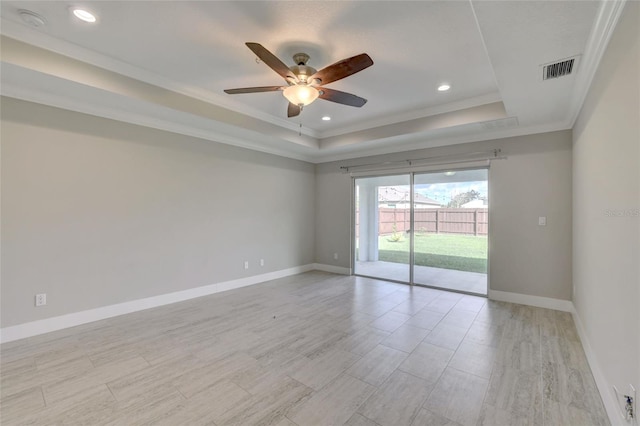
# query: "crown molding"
{"points": [[42, 40], [414, 114], [131, 117], [608, 16], [39, 39], [400, 143], [438, 138]]}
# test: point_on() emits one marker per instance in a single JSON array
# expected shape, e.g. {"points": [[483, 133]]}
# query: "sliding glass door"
{"points": [[382, 226], [428, 229], [451, 219]]}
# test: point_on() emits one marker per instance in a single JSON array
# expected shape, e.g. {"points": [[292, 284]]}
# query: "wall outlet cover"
{"points": [[41, 299]]}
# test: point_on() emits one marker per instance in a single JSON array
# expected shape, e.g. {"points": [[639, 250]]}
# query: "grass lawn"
{"points": [[448, 251]]}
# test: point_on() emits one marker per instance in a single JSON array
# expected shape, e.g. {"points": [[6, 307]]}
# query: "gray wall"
{"points": [[606, 199], [97, 212], [534, 181]]}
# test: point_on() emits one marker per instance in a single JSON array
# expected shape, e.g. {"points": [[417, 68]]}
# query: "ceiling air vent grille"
{"points": [[558, 69]]}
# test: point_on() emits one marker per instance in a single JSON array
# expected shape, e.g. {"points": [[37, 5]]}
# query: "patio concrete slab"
{"points": [[469, 282]]}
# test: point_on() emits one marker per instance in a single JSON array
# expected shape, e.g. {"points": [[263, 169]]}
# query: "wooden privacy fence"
{"points": [[436, 221]]}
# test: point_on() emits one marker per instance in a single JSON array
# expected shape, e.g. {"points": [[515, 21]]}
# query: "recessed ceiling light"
{"points": [[443, 87], [83, 15], [449, 173], [326, 118]]}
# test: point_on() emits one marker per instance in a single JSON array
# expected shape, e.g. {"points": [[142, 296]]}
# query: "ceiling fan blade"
{"points": [[253, 90], [271, 60], [341, 97], [342, 69], [293, 110]]}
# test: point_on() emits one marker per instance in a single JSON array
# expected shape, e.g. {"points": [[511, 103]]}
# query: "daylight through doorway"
{"points": [[435, 234]]}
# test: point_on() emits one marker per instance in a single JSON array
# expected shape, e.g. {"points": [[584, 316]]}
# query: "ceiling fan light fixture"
{"points": [[301, 94], [304, 82]]}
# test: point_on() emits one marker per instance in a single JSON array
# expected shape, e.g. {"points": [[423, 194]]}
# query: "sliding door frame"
{"points": [[412, 172]]}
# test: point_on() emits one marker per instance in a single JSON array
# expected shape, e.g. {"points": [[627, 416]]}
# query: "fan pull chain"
{"points": [[300, 128]]}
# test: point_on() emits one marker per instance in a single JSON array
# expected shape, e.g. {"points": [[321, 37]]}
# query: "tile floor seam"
{"points": [[181, 394], [467, 372], [44, 400], [111, 392], [378, 424], [286, 416], [421, 378]]}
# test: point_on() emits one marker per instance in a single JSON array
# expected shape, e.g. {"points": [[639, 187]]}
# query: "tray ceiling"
{"points": [[166, 64]]}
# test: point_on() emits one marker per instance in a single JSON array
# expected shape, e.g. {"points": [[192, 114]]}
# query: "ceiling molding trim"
{"points": [[451, 123], [484, 45], [414, 142], [144, 120], [36, 38], [25, 65], [429, 141], [603, 28], [414, 114]]}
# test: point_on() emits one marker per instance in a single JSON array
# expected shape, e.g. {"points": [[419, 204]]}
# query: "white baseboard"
{"points": [[331, 268], [47, 325], [608, 399], [537, 301]]}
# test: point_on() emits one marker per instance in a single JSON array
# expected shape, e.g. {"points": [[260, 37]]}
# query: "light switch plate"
{"points": [[542, 221]]}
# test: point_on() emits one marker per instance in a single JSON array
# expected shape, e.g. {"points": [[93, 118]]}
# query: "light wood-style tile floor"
{"points": [[312, 349]]}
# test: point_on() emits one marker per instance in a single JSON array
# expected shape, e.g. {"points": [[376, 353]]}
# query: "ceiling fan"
{"points": [[304, 83]]}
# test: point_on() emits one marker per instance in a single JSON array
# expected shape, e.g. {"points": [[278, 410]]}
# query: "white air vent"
{"points": [[559, 69]]}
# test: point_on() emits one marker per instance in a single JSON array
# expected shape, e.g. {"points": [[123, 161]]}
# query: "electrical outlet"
{"points": [[41, 299], [335, 256], [261, 262], [246, 264]]}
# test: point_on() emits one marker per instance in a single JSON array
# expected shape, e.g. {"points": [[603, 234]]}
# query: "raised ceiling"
{"points": [[166, 64]]}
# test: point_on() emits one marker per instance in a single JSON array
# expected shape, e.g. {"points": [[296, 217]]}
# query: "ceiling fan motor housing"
{"points": [[300, 58], [302, 70]]}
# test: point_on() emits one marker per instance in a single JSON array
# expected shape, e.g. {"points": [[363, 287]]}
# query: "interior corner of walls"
{"points": [[536, 301], [604, 387], [332, 268]]}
